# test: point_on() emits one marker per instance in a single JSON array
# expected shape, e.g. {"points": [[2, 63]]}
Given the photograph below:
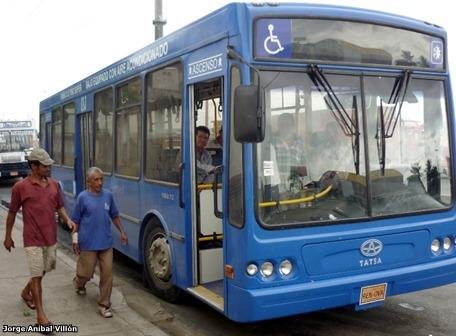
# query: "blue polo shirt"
{"points": [[93, 213]]}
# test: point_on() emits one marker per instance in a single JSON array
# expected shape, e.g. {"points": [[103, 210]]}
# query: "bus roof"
{"points": [[224, 23]]}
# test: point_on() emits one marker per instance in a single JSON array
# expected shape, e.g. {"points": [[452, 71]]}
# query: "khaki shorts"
{"points": [[41, 259]]}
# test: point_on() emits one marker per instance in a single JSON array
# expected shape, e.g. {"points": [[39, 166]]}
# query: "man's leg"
{"points": [[37, 293], [27, 291], [26, 295], [85, 268], [35, 260], [105, 260]]}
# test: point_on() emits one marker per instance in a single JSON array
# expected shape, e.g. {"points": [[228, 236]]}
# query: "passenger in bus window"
{"points": [[203, 157], [290, 151], [40, 197], [94, 210]]}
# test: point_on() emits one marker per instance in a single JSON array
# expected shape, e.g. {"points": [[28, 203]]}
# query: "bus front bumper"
{"points": [[245, 305]]}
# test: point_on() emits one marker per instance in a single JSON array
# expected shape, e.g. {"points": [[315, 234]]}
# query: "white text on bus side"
{"points": [[370, 262], [208, 65]]}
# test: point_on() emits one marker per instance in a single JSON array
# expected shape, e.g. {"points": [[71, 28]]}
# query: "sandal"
{"points": [[106, 312], [29, 302], [79, 290]]}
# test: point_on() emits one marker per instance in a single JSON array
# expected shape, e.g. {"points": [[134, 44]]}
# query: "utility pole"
{"points": [[158, 21]]}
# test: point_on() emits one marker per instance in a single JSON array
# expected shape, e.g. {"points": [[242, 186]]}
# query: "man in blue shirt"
{"points": [[95, 209]]}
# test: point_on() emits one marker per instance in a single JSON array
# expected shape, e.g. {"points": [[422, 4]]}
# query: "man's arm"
{"points": [[72, 225], [9, 242], [74, 240], [118, 224]]}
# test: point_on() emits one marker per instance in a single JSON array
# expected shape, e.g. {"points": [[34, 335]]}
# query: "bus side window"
{"points": [[168, 163], [164, 123]]}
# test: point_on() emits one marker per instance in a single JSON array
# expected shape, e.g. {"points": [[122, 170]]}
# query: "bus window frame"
{"points": [[159, 67], [230, 137], [63, 133], [42, 130], [367, 218], [123, 108], [53, 110], [94, 132]]}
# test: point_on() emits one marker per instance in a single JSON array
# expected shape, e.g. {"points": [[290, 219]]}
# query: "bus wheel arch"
{"points": [[157, 266]]}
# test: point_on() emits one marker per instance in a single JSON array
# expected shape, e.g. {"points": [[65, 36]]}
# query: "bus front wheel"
{"points": [[158, 268]]}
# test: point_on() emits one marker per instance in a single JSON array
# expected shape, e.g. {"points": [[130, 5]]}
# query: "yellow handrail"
{"points": [[297, 200], [209, 238], [206, 186]]}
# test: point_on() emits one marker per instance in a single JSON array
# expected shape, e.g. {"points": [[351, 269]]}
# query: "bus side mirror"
{"points": [[249, 116]]}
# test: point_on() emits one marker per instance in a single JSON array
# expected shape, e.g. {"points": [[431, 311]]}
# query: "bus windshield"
{"points": [[324, 158], [16, 140]]}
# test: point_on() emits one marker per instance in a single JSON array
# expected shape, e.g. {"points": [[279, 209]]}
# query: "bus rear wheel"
{"points": [[158, 268]]}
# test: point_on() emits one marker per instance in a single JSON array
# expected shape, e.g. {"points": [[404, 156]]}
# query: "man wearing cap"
{"points": [[40, 197]]}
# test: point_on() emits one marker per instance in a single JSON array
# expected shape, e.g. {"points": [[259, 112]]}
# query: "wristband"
{"points": [[74, 237]]}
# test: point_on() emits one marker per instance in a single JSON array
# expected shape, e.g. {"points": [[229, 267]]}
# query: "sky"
{"points": [[48, 45]]}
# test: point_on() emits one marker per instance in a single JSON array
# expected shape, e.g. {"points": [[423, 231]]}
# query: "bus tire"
{"points": [[158, 266]]}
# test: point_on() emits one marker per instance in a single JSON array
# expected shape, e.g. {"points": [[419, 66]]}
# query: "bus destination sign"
{"points": [[15, 124]]}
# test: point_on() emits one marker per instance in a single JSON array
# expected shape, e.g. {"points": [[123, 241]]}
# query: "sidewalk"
{"points": [[61, 303]]}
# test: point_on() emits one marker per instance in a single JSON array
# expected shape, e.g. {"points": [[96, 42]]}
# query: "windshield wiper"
{"points": [[387, 120], [380, 136], [397, 99], [355, 137], [348, 124]]}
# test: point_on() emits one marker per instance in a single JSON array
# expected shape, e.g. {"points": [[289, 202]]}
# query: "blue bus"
{"points": [[335, 187]]}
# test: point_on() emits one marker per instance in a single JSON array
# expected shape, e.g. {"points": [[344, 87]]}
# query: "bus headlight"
{"points": [[252, 269], [435, 245], [266, 269], [447, 244], [285, 267]]}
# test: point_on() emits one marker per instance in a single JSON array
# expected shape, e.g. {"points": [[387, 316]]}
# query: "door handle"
{"points": [[181, 192], [217, 173]]}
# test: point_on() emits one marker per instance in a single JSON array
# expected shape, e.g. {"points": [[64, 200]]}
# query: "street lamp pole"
{"points": [[158, 22]]}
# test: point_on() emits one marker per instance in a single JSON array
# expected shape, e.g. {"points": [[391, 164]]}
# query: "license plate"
{"points": [[14, 173], [370, 294]]}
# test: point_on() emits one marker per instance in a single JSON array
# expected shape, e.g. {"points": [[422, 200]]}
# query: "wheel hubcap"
{"points": [[160, 259]]}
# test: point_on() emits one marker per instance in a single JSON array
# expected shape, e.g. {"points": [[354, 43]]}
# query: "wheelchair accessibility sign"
{"points": [[273, 38]]}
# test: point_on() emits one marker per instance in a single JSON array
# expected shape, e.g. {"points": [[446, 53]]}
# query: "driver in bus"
{"points": [[203, 157]]}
